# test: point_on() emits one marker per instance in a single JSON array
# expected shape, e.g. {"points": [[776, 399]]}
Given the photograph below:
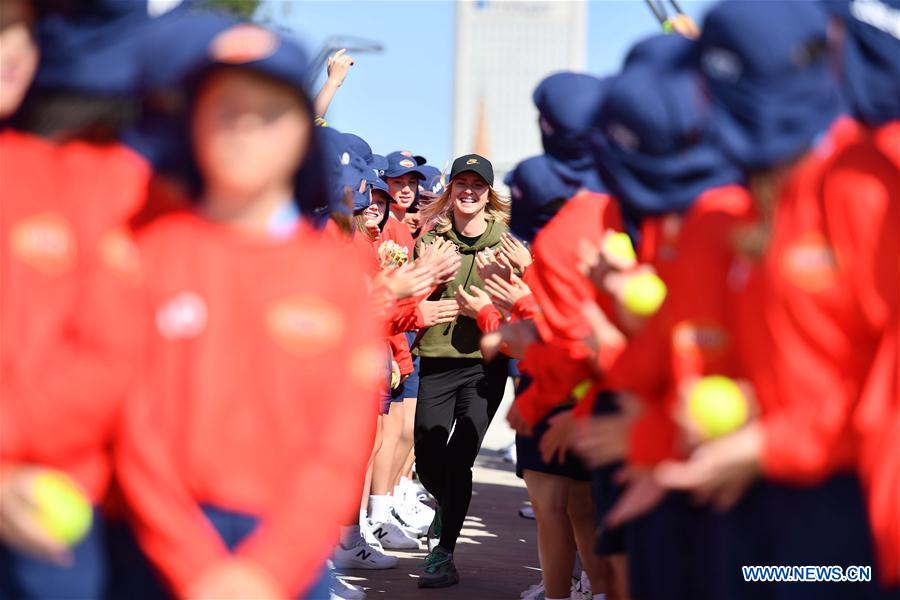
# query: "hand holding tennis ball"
{"points": [[643, 293], [618, 251], [62, 510], [717, 406]]}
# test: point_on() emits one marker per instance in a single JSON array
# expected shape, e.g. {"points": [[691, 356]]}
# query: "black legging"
{"points": [[467, 391]]}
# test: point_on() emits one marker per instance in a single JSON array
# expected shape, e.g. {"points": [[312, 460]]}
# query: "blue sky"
{"points": [[401, 98]]}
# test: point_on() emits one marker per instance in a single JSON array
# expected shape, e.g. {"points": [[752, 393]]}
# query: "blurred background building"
{"points": [[502, 51]]}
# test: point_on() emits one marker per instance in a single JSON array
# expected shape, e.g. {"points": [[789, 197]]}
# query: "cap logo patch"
{"points": [[472, 161], [624, 137], [407, 163], [304, 325], [722, 64], [345, 158], [878, 15], [242, 44], [45, 242]]}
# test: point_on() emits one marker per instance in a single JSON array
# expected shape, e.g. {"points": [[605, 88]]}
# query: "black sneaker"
{"points": [[438, 570], [433, 536]]}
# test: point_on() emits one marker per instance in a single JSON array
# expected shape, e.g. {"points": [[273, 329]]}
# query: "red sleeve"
{"points": [[406, 316], [169, 525], [525, 309], [653, 437], [400, 353], [353, 378], [489, 319], [554, 376]]}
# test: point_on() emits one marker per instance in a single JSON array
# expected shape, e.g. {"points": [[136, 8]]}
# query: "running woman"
{"points": [[457, 389]]}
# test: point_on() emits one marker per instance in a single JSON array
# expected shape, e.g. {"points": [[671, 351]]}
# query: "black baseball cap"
{"points": [[475, 163]]}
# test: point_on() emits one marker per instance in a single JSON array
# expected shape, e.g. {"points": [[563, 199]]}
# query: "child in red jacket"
{"points": [[231, 436], [68, 327]]}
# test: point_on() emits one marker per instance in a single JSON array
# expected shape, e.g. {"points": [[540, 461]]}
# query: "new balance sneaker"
{"points": [[363, 556], [433, 536], [366, 531], [392, 535], [341, 590], [438, 570], [414, 515]]}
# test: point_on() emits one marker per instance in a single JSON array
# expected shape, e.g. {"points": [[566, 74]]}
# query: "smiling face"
{"points": [[19, 59], [403, 189], [249, 132], [468, 194], [377, 209]]}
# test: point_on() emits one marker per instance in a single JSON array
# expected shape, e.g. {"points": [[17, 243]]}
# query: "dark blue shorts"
{"points": [[22, 576], [134, 576], [605, 490], [410, 387], [528, 449], [681, 550]]}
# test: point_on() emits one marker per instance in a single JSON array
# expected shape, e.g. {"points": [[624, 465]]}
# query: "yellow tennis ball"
{"points": [[716, 406], [619, 245], [395, 379], [643, 294], [580, 390], [63, 511]]}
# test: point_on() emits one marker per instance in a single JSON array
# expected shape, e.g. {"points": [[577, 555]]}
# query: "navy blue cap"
{"points": [[400, 163], [379, 184], [354, 178], [97, 47], [183, 46], [657, 152], [434, 180], [664, 51], [538, 191], [871, 57], [569, 104], [361, 148], [769, 77]]}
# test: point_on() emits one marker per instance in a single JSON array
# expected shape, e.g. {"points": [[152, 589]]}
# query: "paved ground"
{"points": [[497, 553]]}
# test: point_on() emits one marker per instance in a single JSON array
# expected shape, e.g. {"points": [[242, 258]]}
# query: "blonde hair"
{"points": [[439, 214]]}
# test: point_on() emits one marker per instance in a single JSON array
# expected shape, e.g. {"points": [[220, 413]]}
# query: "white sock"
{"points": [[362, 517], [350, 536], [549, 598], [380, 508]]}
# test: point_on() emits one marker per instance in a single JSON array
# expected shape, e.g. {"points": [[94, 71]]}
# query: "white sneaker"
{"points": [[392, 536], [586, 583], [526, 512], [341, 590], [363, 556], [578, 592], [509, 453], [369, 537], [414, 515], [535, 592]]}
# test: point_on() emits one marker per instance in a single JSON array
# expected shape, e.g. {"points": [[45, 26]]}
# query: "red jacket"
{"points": [[559, 362], [264, 357], [819, 328], [694, 254], [68, 327]]}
